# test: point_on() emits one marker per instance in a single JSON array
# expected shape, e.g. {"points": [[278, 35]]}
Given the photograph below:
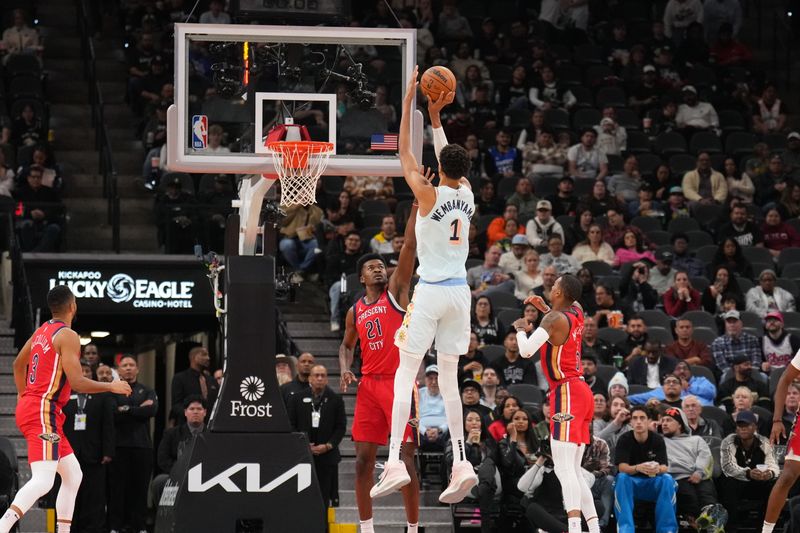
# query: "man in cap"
{"points": [[690, 464], [645, 205], [676, 204], [663, 275], [513, 261], [741, 375], [625, 185], [749, 467], [174, 217], [735, 342], [647, 93], [471, 399], [682, 258], [432, 420], [694, 115], [555, 256], [767, 297], [543, 225], [611, 137], [739, 228], [779, 345], [791, 156], [595, 382], [564, 201]]}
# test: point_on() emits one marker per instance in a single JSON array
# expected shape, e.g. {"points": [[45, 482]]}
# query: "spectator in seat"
{"points": [[300, 383], [690, 464], [20, 38], [664, 183], [27, 128], [489, 275], [497, 227], [540, 228], [586, 159], [694, 115], [92, 440], [743, 400], [728, 51], [663, 119], [616, 228], [749, 468], [779, 345], [735, 344], [549, 276], [791, 156], [647, 93], [662, 277], [138, 59], [778, 235], [649, 365], [681, 297], [645, 204], [471, 82], [594, 248], [452, 25], [460, 127], [481, 451], [370, 188], [744, 231], [767, 297], [609, 307], [503, 159], [472, 364], [704, 185], [511, 368], [687, 349], [790, 198], [641, 458], [336, 265], [593, 346], [626, 185], [530, 278], [151, 84], [486, 202], [483, 111], [741, 375], [544, 157], [618, 387], [587, 297], [530, 134], [676, 386], [381, 243], [683, 259], [637, 337], [770, 116], [7, 176], [601, 416], [695, 423], [524, 199], [564, 263], [471, 397], [503, 414], [490, 385], [611, 137], [773, 182], [543, 495], [298, 243], [484, 323], [564, 201], [631, 249], [550, 93], [790, 407], [133, 460], [216, 202], [739, 183], [324, 431], [517, 451], [513, 261], [619, 418], [195, 381], [723, 279], [215, 14], [700, 386], [635, 289], [595, 382], [432, 420], [175, 440], [38, 227]]}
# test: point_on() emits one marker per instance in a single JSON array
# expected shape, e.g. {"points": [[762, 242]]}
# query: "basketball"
{"points": [[436, 80]]}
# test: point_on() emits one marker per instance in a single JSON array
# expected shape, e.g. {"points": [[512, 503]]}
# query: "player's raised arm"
{"points": [[346, 351], [423, 190], [439, 138], [68, 344], [554, 326]]}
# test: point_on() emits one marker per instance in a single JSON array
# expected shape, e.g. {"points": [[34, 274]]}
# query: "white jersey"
{"points": [[443, 235]]}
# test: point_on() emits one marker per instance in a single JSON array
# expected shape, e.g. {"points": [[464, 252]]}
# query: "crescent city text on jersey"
{"points": [[448, 206]]}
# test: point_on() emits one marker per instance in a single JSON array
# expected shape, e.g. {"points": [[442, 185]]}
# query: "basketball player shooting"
{"points": [[559, 338], [373, 321], [45, 371], [791, 466], [439, 310]]}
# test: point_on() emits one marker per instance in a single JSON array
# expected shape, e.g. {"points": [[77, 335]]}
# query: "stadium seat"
{"points": [[637, 389], [26, 86], [598, 268], [500, 73], [682, 225], [493, 352], [583, 187], [706, 253], [670, 143], [583, 96], [701, 76], [520, 118], [566, 221], [751, 320], [715, 413], [660, 335], [704, 335], [701, 319], [506, 317], [700, 370], [788, 285], [368, 233], [506, 186], [638, 143], [700, 283], [483, 222], [698, 238], [787, 256], [707, 214], [373, 219], [22, 64], [730, 121], [791, 319], [545, 185], [739, 142], [791, 271], [611, 96], [598, 75], [586, 118], [528, 394], [471, 263], [656, 318], [646, 224], [612, 335], [761, 266], [628, 119], [568, 74], [680, 164], [757, 254], [615, 164], [612, 281], [557, 119], [705, 141], [589, 54], [187, 183], [774, 378], [648, 162], [606, 372], [659, 237], [744, 284], [374, 206], [503, 299], [775, 141]]}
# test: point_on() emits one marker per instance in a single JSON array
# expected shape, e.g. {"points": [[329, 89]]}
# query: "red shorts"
{"points": [[372, 421], [793, 444], [42, 425], [571, 411]]}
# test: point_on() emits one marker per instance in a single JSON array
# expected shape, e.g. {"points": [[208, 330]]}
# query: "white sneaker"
{"points": [[394, 476], [462, 480]]}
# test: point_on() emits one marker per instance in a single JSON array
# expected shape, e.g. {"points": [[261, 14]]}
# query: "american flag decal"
{"points": [[383, 141]]}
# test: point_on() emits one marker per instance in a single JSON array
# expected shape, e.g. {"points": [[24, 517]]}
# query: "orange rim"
{"points": [[295, 153]]}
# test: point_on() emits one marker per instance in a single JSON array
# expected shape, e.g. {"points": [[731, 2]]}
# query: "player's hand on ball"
{"points": [[347, 378], [436, 106], [121, 387], [538, 302]]}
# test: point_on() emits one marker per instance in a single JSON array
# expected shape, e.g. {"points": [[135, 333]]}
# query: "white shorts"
{"points": [[437, 312]]}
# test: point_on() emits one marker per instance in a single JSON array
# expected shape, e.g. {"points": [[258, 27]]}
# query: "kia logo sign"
{"points": [[252, 479]]}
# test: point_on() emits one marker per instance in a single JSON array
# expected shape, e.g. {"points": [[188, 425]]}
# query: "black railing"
{"points": [[101, 140], [22, 318]]}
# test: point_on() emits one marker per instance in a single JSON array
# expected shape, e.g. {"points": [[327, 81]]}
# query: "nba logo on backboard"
{"points": [[199, 132]]}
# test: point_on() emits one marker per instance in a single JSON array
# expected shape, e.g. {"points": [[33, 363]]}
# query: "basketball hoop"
{"points": [[299, 165]]}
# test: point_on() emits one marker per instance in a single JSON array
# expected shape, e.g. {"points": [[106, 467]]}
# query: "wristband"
{"points": [[439, 140]]}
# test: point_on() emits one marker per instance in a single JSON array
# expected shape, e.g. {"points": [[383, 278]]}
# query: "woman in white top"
{"points": [[594, 248], [739, 184], [530, 278]]}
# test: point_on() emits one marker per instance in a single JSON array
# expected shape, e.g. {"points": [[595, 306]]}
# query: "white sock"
{"points": [[366, 526], [412, 528], [767, 527], [594, 524], [574, 525], [453, 409], [63, 527], [8, 520], [401, 407]]}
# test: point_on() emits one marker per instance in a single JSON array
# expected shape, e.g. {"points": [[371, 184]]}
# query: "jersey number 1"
{"points": [[456, 237]]}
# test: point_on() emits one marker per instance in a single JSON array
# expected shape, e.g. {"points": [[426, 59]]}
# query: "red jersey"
{"points": [[376, 325], [563, 362], [46, 379]]}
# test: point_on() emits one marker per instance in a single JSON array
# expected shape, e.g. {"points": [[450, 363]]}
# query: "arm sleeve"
{"points": [[439, 140], [530, 345]]}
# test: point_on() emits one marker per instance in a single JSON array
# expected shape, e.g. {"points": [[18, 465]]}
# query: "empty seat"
{"points": [[506, 186], [706, 253], [587, 54], [698, 238], [700, 370], [586, 118], [787, 256], [583, 96], [788, 285], [557, 119], [611, 335], [598, 268], [368, 207], [680, 164], [506, 317], [730, 121], [791, 319], [569, 74], [670, 143], [527, 393], [628, 119], [701, 319], [656, 318], [659, 237], [705, 141], [700, 283], [648, 162], [707, 214], [682, 225], [638, 143], [740, 142], [751, 320], [611, 96], [756, 254], [647, 224], [545, 185], [660, 335], [704, 335], [493, 352], [502, 299], [606, 372]]}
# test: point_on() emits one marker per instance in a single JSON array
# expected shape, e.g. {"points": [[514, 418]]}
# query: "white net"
{"points": [[299, 165]]}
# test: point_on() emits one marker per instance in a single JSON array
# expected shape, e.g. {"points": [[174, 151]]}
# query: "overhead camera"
{"points": [[227, 68], [358, 85]]}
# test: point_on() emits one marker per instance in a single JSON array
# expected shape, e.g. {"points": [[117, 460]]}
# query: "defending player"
{"points": [[44, 371], [373, 320], [441, 304], [791, 467], [559, 338]]}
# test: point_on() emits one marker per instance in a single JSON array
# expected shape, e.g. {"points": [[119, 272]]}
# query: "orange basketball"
{"points": [[436, 80]]}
